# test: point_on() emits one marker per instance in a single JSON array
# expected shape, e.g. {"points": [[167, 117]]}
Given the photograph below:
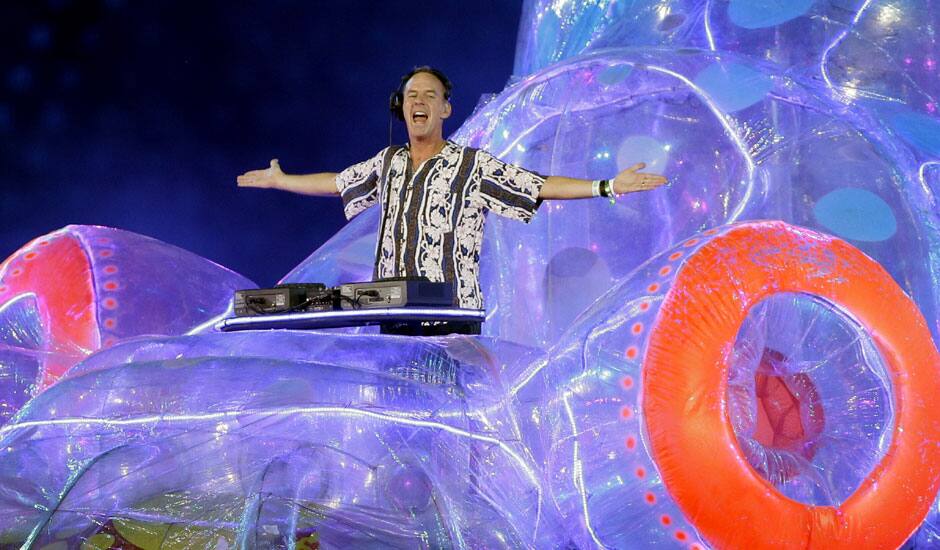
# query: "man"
{"points": [[434, 193]]}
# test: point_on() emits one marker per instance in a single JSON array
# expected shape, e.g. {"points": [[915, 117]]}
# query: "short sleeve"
{"points": [[507, 189], [358, 185]]}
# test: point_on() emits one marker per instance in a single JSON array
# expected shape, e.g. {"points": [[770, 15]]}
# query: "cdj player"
{"points": [[286, 298], [307, 297]]}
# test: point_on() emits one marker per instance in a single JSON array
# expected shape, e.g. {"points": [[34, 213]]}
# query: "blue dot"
{"points": [[759, 14], [856, 214], [919, 130], [614, 75], [20, 78], [733, 86], [40, 37]]}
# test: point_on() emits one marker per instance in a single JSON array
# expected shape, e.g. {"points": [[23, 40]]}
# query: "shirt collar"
{"points": [[448, 146]]}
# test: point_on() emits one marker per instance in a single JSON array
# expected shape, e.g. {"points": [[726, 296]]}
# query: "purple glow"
{"points": [[531, 435]]}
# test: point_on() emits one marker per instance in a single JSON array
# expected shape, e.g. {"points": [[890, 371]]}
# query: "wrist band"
{"points": [[607, 190], [596, 188]]}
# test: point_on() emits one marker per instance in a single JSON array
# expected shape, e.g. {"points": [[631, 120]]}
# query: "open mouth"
{"points": [[419, 116]]}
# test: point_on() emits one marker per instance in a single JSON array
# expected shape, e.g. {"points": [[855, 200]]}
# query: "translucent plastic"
{"points": [[809, 398], [800, 357]]}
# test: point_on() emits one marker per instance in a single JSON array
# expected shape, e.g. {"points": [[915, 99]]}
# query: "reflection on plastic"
{"points": [[642, 381]]}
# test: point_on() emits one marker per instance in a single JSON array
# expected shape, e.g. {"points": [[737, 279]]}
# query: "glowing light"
{"points": [[888, 15]]}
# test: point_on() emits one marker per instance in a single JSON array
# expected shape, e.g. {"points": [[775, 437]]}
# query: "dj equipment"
{"points": [[311, 297], [396, 293], [284, 299]]}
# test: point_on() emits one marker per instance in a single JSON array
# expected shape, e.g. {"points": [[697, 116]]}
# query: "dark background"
{"points": [[139, 115]]}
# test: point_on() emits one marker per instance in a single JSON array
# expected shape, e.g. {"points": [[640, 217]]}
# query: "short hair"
{"points": [[398, 96]]}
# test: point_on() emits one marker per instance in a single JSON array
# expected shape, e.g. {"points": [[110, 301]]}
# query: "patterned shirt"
{"points": [[432, 218]]}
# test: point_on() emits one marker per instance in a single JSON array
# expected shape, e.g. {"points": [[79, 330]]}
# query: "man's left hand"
{"points": [[631, 180]]}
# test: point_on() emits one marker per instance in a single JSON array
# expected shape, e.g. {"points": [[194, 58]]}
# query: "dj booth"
{"points": [[400, 306], [351, 318]]}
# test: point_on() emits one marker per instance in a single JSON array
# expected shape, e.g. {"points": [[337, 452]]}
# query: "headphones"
{"points": [[397, 99]]}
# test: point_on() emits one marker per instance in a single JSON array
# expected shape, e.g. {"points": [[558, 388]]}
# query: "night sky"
{"points": [[139, 115]]}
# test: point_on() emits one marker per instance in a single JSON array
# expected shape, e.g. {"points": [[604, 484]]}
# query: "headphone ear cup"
{"points": [[395, 105]]}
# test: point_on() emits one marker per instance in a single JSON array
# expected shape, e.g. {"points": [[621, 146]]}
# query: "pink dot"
{"points": [[644, 306], [109, 323], [637, 328], [711, 232], [632, 352], [16, 272], [30, 256], [690, 242], [665, 520], [640, 472], [665, 270], [109, 342], [675, 256], [627, 382], [43, 243], [110, 269], [109, 303], [110, 285], [626, 412], [105, 254], [650, 498], [631, 443], [3, 288], [653, 287], [680, 535]]}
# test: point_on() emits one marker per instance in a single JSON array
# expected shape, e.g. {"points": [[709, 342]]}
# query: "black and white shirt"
{"points": [[432, 219]]}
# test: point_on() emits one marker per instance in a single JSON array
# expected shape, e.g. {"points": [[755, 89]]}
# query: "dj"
{"points": [[434, 193]]}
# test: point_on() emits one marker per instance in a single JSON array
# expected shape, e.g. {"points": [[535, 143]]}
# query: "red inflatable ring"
{"points": [[685, 375]]}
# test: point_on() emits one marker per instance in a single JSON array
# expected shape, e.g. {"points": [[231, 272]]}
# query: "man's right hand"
{"points": [[264, 179]]}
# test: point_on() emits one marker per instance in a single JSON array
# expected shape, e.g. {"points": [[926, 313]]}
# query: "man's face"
{"points": [[424, 106]]}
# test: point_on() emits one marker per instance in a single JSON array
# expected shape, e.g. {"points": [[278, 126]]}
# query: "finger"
{"points": [[637, 166], [275, 164]]}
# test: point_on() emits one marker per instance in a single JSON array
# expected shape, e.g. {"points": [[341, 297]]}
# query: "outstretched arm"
{"points": [[322, 184], [627, 181]]}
